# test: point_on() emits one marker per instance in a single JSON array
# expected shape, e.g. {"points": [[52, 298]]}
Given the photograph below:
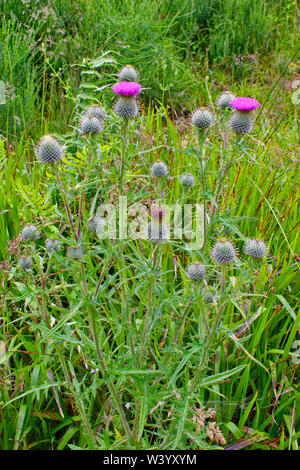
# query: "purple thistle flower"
{"points": [[127, 88], [244, 104]]}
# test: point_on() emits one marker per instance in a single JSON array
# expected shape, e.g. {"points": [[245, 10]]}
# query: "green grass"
{"points": [[50, 398]]}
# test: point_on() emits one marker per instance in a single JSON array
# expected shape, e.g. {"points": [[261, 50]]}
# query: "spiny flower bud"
{"points": [[196, 271], [30, 232], [126, 107], [187, 179], [157, 232], [90, 125], [158, 212], [255, 248], [49, 150], [25, 262], [96, 111], [52, 244], [128, 74], [75, 252], [225, 99], [96, 224], [159, 169], [202, 118], [241, 122], [223, 252]]}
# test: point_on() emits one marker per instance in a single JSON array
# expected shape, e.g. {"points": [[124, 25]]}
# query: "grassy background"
{"points": [[59, 56]]}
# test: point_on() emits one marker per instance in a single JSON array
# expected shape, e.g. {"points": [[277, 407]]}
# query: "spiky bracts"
{"points": [[241, 122], [187, 179], [96, 224], [196, 271], [25, 262], [225, 99], [202, 118], [75, 252], [223, 252], [244, 104], [49, 150], [157, 232], [159, 169], [126, 108], [96, 111], [91, 125], [52, 244], [30, 233], [255, 248], [128, 74]]}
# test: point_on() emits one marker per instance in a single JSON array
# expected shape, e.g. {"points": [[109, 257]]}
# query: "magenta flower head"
{"points": [[244, 104], [127, 88]]}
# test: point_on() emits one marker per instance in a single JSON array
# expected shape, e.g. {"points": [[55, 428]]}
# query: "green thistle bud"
{"points": [[128, 74], [126, 107], [75, 252], [96, 111], [52, 244], [49, 150], [223, 252], [157, 232], [91, 125], [96, 224], [255, 248], [202, 118], [225, 99], [25, 262], [187, 179], [196, 271], [158, 169], [30, 232], [241, 122]]}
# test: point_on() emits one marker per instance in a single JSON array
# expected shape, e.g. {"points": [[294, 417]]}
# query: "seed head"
{"points": [[91, 125], [25, 262], [241, 122], [196, 271], [126, 107], [49, 150], [223, 252], [96, 111], [225, 99], [187, 179], [157, 232], [255, 248], [158, 169], [30, 232], [96, 224], [52, 244], [202, 118], [75, 252], [128, 74]]}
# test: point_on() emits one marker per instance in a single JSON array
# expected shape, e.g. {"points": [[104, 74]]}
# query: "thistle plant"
{"points": [[49, 150], [255, 248], [25, 262], [96, 111], [241, 121], [52, 244], [30, 233], [96, 224], [196, 271], [91, 125], [159, 170], [128, 74], [187, 179]]}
